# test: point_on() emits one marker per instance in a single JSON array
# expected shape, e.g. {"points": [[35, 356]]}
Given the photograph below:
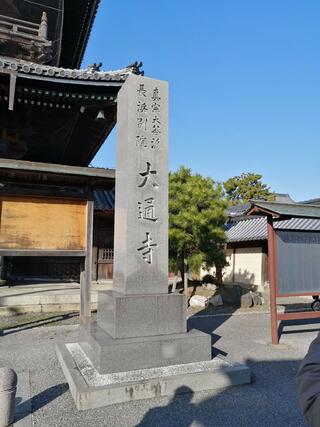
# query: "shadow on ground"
{"points": [[299, 326], [248, 405], [39, 401], [43, 320]]}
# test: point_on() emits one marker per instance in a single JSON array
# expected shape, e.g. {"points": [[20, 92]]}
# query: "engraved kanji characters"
{"points": [[155, 95], [141, 141], [148, 137], [155, 142], [156, 126], [147, 248], [146, 175], [142, 107], [142, 91], [142, 123], [148, 126], [146, 210]]}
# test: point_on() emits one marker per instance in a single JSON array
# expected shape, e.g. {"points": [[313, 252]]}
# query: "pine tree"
{"points": [[247, 186], [196, 219]]}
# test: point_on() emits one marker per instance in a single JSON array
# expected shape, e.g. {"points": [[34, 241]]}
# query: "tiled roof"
{"points": [[246, 230], [283, 198], [24, 67], [255, 228], [311, 201], [238, 210], [104, 200], [301, 224]]}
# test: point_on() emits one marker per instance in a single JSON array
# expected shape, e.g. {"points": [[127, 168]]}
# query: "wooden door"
{"points": [[105, 263]]}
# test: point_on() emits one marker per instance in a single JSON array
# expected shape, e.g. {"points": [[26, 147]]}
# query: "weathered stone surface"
{"points": [[198, 301], [124, 316], [231, 294], [256, 299], [246, 300], [141, 207], [216, 300], [91, 390], [116, 355], [140, 324], [8, 385]]}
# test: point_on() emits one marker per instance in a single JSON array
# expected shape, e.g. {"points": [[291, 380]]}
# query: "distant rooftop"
{"points": [[315, 201], [240, 210], [278, 210]]}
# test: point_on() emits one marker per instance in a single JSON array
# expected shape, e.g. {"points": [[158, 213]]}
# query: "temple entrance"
{"points": [[105, 264]]}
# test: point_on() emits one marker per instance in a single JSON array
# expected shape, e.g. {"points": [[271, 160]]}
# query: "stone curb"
{"points": [[23, 401]]}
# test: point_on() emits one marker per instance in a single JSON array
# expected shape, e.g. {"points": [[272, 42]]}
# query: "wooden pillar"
{"points": [[12, 89], [272, 281], [85, 277]]}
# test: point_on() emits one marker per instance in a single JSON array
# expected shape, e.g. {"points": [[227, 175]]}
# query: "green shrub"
{"points": [[208, 278]]}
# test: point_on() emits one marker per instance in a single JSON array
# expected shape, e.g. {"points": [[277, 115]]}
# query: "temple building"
{"points": [[54, 117]]}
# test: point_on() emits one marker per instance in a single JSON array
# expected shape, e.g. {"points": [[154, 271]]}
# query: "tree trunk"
{"points": [[219, 275], [185, 274]]}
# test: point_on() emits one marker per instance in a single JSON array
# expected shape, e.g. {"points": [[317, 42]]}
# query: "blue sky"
{"points": [[244, 80]]}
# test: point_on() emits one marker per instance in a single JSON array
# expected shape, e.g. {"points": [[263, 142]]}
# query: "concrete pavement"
{"points": [[269, 401], [46, 297]]}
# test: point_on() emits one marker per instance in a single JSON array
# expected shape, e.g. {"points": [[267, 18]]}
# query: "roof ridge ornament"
{"points": [[94, 67], [135, 67], [92, 72]]}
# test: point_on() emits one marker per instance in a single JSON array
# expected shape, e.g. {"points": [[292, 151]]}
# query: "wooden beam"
{"points": [[56, 168], [258, 210], [41, 252], [85, 278], [272, 282]]}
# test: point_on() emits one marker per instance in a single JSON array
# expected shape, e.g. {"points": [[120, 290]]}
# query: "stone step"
{"points": [[42, 308], [46, 298]]}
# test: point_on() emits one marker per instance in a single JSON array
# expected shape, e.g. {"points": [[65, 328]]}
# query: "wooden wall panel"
{"points": [[42, 223]]}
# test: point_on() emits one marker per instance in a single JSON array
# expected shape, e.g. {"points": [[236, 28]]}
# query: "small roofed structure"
{"points": [[293, 254], [247, 252]]}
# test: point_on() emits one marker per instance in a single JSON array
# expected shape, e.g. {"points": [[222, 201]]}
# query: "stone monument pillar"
{"points": [[139, 310], [139, 304], [139, 347]]}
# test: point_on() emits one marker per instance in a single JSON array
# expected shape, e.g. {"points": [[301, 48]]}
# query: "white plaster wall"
{"points": [[247, 263], [248, 266], [227, 273]]}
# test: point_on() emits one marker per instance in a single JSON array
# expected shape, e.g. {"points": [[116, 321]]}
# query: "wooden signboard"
{"points": [[30, 223], [293, 271]]}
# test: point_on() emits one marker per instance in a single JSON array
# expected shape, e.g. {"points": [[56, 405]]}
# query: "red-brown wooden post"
{"points": [[272, 281]]}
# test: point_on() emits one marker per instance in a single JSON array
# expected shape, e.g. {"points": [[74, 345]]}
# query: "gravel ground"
{"points": [[269, 401]]}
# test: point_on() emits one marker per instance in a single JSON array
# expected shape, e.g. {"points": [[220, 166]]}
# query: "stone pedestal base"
{"points": [[92, 390], [113, 355], [125, 316]]}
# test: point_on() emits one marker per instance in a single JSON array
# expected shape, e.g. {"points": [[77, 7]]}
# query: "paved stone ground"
{"points": [[269, 401]]}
